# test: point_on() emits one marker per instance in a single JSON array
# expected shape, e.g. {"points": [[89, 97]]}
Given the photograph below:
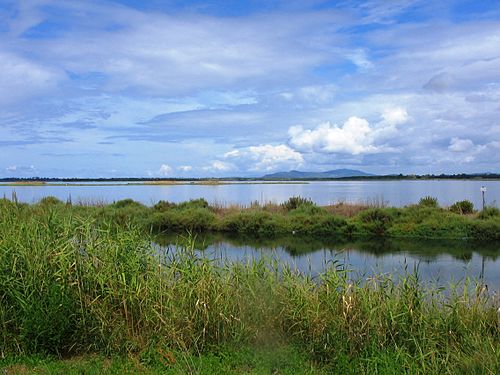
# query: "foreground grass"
{"points": [[77, 287], [263, 360]]}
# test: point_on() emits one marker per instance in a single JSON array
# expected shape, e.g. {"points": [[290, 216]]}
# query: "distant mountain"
{"points": [[336, 173]]}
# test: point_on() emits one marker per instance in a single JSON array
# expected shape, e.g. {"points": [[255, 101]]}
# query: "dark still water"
{"points": [[392, 193], [441, 262]]}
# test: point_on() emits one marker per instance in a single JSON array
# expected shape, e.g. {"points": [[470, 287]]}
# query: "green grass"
{"points": [[283, 359], [74, 285]]}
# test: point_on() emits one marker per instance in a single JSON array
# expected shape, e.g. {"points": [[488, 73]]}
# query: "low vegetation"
{"points": [[297, 216], [76, 285]]}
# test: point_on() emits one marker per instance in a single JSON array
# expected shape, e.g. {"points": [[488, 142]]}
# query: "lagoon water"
{"points": [[442, 263], [392, 193], [436, 262]]}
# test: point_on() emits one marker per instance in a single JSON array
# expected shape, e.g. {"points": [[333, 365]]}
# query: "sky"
{"points": [[244, 88]]}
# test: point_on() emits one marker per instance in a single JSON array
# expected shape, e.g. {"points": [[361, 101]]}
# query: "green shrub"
{"points": [[485, 230], [163, 205], [295, 202], [428, 201], [253, 222], [375, 221], [374, 214], [308, 209], [192, 219], [50, 201], [126, 203], [489, 212], [194, 203], [462, 207]]}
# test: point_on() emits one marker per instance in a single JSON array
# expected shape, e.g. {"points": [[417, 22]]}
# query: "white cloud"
{"points": [[359, 58], [354, 137], [460, 145], [219, 166], [165, 53], [21, 78], [20, 168], [165, 170], [185, 168], [266, 157], [395, 116]]}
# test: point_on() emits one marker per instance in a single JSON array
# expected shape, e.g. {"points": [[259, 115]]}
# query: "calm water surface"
{"points": [[393, 193], [436, 261]]}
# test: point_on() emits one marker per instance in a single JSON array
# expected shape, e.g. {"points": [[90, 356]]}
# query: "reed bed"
{"points": [[72, 284]]}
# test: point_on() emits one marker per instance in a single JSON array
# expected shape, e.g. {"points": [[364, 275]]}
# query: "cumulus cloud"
{"points": [[185, 168], [395, 116], [460, 145], [219, 166], [165, 170], [355, 136], [266, 157]]}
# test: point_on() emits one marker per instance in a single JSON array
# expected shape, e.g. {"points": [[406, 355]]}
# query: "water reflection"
{"points": [[437, 261]]}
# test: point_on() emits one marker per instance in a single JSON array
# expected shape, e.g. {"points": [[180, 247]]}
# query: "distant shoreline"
{"points": [[152, 183], [43, 181]]}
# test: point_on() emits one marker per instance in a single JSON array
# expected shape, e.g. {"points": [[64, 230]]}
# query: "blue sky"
{"points": [[244, 88]]}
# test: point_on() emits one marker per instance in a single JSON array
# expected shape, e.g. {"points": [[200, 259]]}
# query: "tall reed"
{"points": [[73, 284]]}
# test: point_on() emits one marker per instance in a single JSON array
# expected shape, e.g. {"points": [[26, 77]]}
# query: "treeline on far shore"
{"points": [[297, 216], [458, 176]]}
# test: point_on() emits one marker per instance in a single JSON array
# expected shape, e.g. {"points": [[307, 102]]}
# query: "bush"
{"points": [[376, 214], [428, 201], [462, 207], [485, 230], [192, 219], [194, 203], [309, 209], [126, 203], [375, 221], [295, 202], [49, 201], [163, 205], [489, 212], [253, 222]]}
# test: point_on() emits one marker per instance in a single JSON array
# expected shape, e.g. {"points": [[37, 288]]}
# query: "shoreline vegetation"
{"points": [[296, 217], [84, 288]]}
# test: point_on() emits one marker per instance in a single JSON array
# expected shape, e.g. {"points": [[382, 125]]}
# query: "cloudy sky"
{"points": [[243, 88]]}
